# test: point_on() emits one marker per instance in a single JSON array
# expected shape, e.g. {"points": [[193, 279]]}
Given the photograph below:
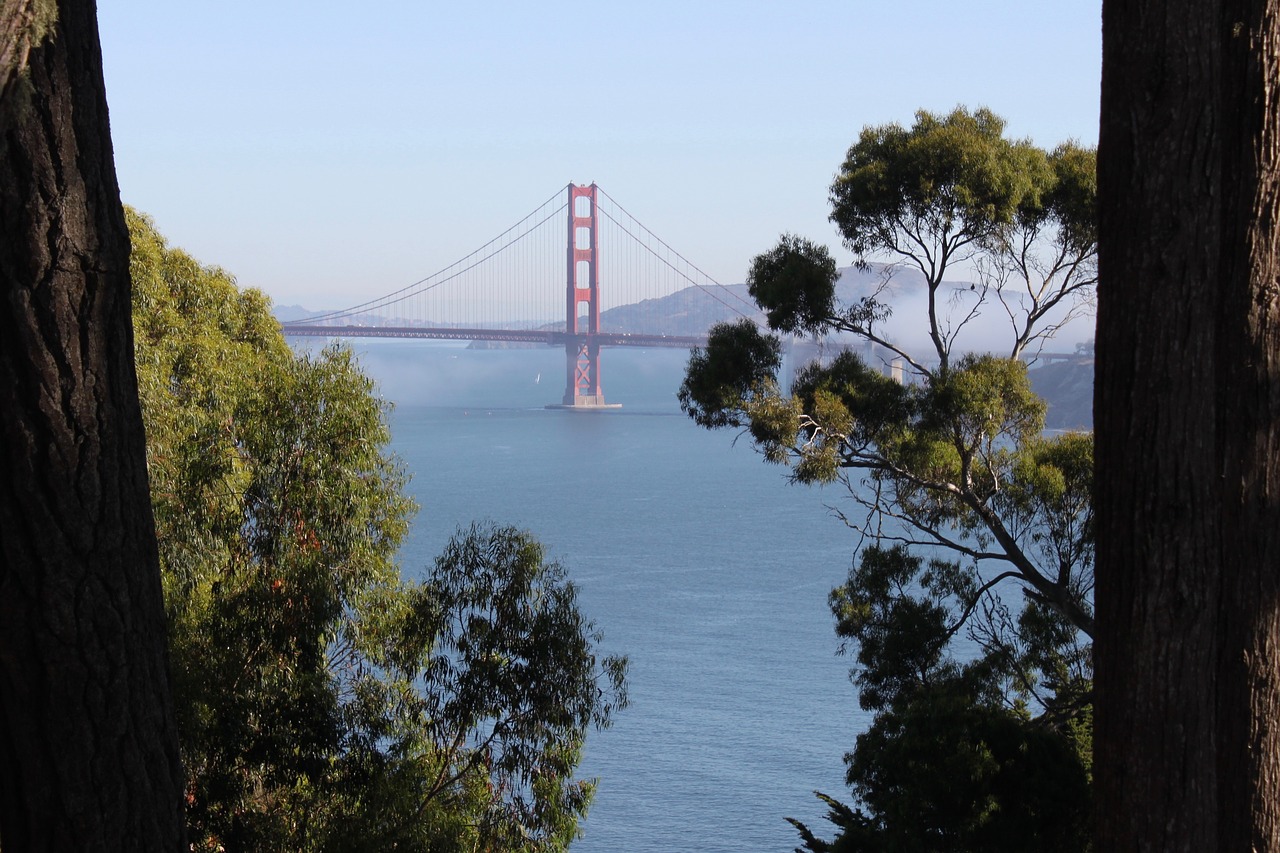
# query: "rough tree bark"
{"points": [[88, 748], [1187, 420]]}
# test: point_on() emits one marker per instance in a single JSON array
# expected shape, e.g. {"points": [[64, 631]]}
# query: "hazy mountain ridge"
{"points": [[1068, 388]]}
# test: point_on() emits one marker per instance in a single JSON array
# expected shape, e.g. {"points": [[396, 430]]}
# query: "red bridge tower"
{"points": [[582, 347]]}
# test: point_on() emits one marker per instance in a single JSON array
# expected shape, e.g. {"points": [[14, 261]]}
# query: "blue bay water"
{"points": [[695, 558]]}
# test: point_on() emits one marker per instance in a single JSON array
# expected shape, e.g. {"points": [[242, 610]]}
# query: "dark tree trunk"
{"points": [[1249, 432], [1187, 419], [88, 749]]}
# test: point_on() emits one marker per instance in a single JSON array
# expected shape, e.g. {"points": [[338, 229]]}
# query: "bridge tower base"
{"points": [[582, 308]]}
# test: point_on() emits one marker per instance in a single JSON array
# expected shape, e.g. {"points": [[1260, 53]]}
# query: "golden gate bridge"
{"points": [[579, 271]]}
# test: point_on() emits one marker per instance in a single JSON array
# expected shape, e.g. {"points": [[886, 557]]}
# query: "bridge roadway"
{"points": [[527, 336], [551, 338]]}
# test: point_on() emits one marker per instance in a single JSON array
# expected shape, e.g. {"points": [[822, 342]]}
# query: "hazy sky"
{"points": [[330, 152]]}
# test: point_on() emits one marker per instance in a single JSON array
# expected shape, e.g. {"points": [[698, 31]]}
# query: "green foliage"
{"points": [[1049, 497], [901, 638], [737, 365], [946, 772], [943, 460], [953, 188], [324, 703], [507, 682], [952, 460], [795, 284], [952, 759], [1073, 200], [1046, 260], [953, 178]]}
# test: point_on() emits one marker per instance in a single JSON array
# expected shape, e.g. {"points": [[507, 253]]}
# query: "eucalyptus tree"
{"points": [[948, 762], [952, 189], [325, 703], [955, 458]]}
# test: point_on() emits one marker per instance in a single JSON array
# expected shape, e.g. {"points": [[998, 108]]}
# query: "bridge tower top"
{"points": [[583, 262]]}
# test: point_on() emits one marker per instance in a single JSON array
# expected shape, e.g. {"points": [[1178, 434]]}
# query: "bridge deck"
{"points": [[528, 336]]}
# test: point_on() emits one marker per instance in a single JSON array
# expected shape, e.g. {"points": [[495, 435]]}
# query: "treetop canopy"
{"points": [[956, 174]]}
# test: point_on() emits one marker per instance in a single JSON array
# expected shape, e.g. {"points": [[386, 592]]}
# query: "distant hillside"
{"points": [[1068, 388], [691, 311], [289, 313]]}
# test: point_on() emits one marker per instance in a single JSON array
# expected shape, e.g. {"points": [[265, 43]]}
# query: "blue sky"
{"points": [[329, 152]]}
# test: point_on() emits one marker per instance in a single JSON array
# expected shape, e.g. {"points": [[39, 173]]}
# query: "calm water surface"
{"points": [[697, 560]]}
